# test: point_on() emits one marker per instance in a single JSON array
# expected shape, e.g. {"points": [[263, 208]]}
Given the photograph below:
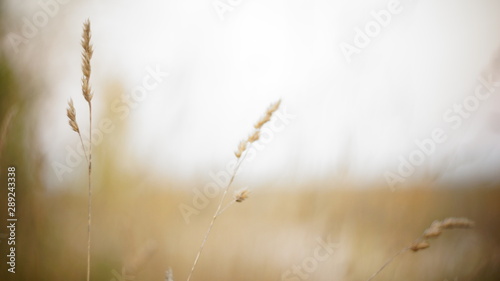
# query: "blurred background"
{"points": [[389, 120]]}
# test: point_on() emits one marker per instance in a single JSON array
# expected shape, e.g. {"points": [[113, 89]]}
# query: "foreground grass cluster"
{"points": [[420, 244]]}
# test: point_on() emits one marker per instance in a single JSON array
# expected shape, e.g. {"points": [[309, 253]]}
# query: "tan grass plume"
{"points": [[87, 53], [71, 114], [255, 135], [433, 231], [240, 196]]}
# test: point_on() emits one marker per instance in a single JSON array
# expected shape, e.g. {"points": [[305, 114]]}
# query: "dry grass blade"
{"points": [[433, 231], [240, 156], [71, 113], [87, 94], [387, 263]]}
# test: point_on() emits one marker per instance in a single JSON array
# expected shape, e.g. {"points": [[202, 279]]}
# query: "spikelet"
{"points": [[141, 257], [71, 113], [433, 231], [267, 117], [241, 148], [255, 136], [241, 195], [450, 223], [419, 246]]}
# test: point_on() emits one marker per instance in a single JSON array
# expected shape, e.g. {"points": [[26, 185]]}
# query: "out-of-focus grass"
{"points": [[263, 237]]}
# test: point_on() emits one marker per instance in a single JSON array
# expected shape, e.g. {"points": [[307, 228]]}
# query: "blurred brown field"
{"points": [[141, 230]]}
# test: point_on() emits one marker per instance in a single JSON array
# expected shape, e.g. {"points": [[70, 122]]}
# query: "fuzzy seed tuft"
{"points": [[241, 195], [71, 113]]}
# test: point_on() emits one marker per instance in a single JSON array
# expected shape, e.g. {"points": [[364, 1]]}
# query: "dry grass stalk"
{"points": [[433, 231], [87, 94], [240, 156], [71, 113], [87, 53]]}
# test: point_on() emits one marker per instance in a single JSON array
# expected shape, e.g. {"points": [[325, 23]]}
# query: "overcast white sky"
{"points": [[226, 66]]}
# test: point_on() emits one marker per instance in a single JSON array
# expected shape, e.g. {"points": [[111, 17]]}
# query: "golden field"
{"points": [[141, 230]]}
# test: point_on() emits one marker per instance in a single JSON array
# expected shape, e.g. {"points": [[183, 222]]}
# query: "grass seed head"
{"points": [[241, 195], [434, 230], [71, 113], [254, 137], [267, 116], [87, 53], [449, 223], [241, 148], [420, 246]]}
